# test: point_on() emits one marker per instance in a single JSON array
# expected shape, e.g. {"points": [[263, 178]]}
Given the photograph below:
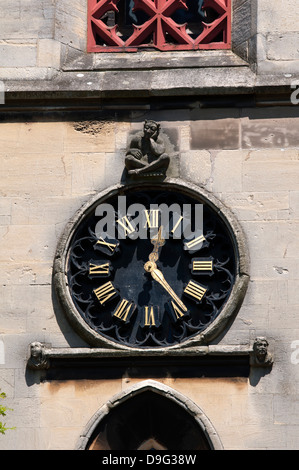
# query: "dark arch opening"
{"points": [[148, 421]]}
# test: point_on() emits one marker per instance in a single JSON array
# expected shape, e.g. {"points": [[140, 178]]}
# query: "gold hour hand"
{"points": [[157, 241], [158, 276]]}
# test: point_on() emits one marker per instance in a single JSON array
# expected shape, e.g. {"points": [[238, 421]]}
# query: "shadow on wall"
{"points": [[256, 373]]}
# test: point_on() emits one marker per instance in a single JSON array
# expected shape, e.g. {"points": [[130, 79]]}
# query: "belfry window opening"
{"points": [[164, 25]]}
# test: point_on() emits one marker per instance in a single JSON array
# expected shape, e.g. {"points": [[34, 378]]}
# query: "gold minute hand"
{"points": [[158, 276]]}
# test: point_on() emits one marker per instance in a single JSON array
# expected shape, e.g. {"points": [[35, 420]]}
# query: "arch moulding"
{"points": [[157, 387]]}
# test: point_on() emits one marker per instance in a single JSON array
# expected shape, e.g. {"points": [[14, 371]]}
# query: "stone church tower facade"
{"points": [[111, 342]]}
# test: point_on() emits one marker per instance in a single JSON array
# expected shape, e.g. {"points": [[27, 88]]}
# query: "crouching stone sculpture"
{"points": [[146, 155]]}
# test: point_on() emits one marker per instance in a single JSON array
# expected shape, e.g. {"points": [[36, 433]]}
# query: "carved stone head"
{"points": [[260, 348], [151, 129]]}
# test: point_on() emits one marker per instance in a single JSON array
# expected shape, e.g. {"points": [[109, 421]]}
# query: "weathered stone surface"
{"points": [[50, 168], [18, 55], [272, 239], [243, 27], [294, 204], [280, 133], [196, 166], [216, 134], [215, 129], [268, 169], [48, 53], [49, 175], [272, 19], [258, 205], [256, 26], [90, 136], [283, 47], [23, 21], [227, 171], [71, 23]]}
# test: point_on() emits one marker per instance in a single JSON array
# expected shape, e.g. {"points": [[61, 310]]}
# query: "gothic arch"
{"points": [[149, 415]]}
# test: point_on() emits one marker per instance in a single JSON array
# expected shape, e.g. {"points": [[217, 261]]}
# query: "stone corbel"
{"points": [[260, 356], [41, 354]]}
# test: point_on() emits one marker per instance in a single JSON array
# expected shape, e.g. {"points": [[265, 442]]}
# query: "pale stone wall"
{"points": [[26, 33], [49, 167], [41, 40], [248, 158], [278, 36]]}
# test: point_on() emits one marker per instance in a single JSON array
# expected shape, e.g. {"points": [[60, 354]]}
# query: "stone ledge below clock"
{"points": [[49, 84], [43, 356]]}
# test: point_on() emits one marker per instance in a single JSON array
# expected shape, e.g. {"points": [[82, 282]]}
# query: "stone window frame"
{"points": [[157, 387], [136, 39], [71, 32]]}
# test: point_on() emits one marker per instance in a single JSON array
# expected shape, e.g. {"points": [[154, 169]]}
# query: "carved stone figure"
{"points": [[261, 357], [37, 358], [146, 155]]}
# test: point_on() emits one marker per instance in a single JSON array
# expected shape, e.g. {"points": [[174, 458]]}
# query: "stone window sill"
{"points": [[75, 60]]}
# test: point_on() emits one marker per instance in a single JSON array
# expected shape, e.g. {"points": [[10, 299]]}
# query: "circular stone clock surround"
{"points": [[232, 305]]}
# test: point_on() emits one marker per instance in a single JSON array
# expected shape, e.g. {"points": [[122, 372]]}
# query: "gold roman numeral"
{"points": [[177, 224], [124, 310], [177, 312], [195, 290], [202, 265], [105, 292], [152, 218], [195, 244], [99, 269], [103, 243], [149, 316], [126, 225]]}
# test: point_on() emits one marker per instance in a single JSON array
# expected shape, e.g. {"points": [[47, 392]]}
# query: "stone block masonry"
{"points": [[43, 40], [50, 167], [53, 163]]}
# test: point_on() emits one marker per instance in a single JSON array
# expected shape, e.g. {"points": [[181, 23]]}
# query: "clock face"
{"points": [[158, 280]]}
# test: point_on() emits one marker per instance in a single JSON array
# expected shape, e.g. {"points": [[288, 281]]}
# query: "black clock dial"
{"points": [[156, 291]]}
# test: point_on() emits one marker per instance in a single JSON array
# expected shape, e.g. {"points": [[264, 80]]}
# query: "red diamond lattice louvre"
{"points": [[158, 28]]}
